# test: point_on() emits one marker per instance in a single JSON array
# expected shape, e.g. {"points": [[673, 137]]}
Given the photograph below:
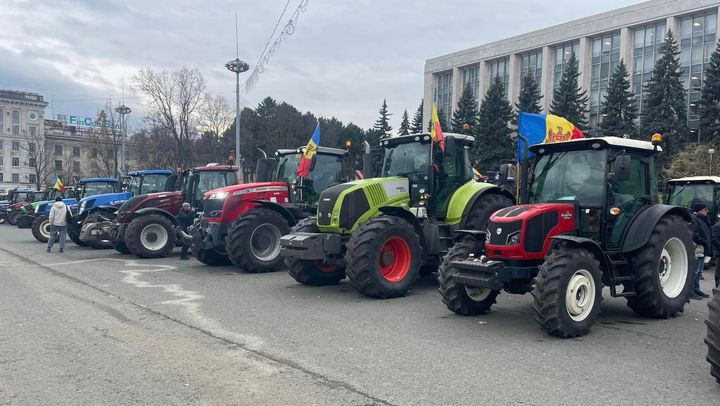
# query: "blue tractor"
{"points": [[91, 226], [88, 187]]}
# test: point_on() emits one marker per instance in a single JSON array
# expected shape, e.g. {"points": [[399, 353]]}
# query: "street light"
{"points": [[711, 151], [123, 110], [237, 66]]}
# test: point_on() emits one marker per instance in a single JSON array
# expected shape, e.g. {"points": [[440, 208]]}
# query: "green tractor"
{"points": [[380, 232]]}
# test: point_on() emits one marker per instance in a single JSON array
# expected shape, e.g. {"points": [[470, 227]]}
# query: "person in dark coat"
{"points": [[702, 237], [716, 251], [185, 219]]}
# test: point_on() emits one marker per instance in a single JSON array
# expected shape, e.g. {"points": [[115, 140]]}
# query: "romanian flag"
{"points": [[545, 128], [310, 151], [436, 132], [59, 185]]}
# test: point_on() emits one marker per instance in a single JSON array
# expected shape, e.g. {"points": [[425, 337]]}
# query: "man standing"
{"points": [[703, 244], [58, 223], [185, 219]]}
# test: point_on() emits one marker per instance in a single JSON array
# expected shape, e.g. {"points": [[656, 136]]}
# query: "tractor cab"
{"points": [[99, 186], [194, 183], [434, 175], [147, 181], [684, 191]]}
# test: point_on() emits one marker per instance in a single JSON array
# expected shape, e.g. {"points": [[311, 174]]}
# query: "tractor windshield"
{"points": [[134, 185], [287, 168], [326, 171], [97, 188], [569, 175], [410, 160], [153, 183], [23, 197], [683, 195]]}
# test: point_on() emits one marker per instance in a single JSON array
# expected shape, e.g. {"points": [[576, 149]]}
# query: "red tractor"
{"points": [[592, 220], [242, 224], [145, 224]]}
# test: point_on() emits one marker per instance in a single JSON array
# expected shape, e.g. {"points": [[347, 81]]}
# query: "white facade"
{"points": [[632, 34]]}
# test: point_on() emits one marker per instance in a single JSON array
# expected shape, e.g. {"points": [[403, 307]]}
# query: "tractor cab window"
{"points": [[450, 172], [408, 160], [134, 185], [626, 197], [206, 181], [327, 173], [569, 175], [683, 195], [287, 168], [97, 188], [153, 183]]}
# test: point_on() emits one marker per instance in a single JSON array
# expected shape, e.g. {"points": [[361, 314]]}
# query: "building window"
{"points": [[531, 63], [33, 178], [471, 77], [1, 175], [605, 57], [16, 161], [646, 52], [32, 162], [562, 55], [94, 152], [76, 166], [500, 68], [443, 94], [2, 117], [16, 145], [697, 42], [16, 122], [16, 178], [33, 131], [31, 147], [76, 151], [58, 165], [58, 149], [1, 142], [1, 160]]}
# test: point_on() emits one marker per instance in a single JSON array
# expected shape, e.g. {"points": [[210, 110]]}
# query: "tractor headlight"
{"points": [[514, 238], [82, 207], [37, 209], [487, 236], [219, 195]]}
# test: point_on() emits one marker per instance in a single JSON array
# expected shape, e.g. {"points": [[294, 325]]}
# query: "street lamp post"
{"points": [[711, 151], [123, 110], [237, 66]]}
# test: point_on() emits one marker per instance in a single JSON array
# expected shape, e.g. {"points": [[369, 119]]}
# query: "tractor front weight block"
{"points": [[491, 274], [311, 246]]}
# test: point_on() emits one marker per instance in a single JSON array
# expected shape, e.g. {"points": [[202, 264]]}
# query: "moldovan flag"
{"points": [[545, 128], [310, 151], [436, 132], [59, 185]]}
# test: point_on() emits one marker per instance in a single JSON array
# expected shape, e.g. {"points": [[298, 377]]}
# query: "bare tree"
{"points": [[215, 118], [106, 143], [176, 100], [39, 153]]}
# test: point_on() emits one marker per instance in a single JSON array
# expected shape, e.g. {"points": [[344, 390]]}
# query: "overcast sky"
{"points": [[344, 58]]}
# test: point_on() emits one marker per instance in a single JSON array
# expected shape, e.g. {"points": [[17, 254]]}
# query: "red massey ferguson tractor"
{"points": [[242, 224], [145, 224], [591, 221]]}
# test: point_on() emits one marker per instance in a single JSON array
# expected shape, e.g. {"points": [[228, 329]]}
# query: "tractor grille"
{"points": [[499, 232], [213, 207], [537, 229], [376, 193], [328, 198], [354, 205]]}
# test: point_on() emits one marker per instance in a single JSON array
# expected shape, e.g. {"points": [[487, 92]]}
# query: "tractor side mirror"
{"points": [[622, 168], [263, 171], [450, 144]]}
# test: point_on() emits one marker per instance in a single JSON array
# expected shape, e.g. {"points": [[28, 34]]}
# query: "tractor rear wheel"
{"points": [[662, 270], [24, 221], [210, 256], [483, 208], [568, 292], [120, 247], [253, 241], [150, 236], [308, 272], [383, 257], [713, 335], [41, 228], [457, 297], [12, 218]]}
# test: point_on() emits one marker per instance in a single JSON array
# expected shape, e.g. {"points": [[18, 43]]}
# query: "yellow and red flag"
{"points": [[310, 151], [436, 132], [59, 184]]}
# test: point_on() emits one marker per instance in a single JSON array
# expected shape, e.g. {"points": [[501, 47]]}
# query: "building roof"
{"points": [[697, 179]]}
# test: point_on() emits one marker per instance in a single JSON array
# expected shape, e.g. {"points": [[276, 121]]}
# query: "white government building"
{"points": [[633, 34]]}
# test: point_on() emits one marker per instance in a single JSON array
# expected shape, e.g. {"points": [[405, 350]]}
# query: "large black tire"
{"points": [[253, 241], [457, 297], [73, 232], [387, 239], [100, 245], [120, 247], [568, 276], [648, 266], [210, 256], [483, 208], [12, 218], [145, 237], [24, 221], [41, 228], [314, 273], [713, 335]]}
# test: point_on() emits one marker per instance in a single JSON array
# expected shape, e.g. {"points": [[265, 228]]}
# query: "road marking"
{"points": [[84, 260]]}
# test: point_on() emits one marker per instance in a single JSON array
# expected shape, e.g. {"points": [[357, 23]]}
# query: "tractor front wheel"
{"points": [[150, 236], [12, 218], [457, 297], [41, 228], [663, 270], [308, 272], [73, 231], [713, 335], [568, 292], [253, 241], [384, 257]]}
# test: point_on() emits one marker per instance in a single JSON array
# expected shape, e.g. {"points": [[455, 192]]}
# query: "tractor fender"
{"points": [[155, 210], [479, 235], [282, 210], [403, 214], [639, 231], [586, 243], [478, 193]]}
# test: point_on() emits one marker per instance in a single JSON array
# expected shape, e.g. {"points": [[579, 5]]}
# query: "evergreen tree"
{"points": [[529, 100], [466, 112], [382, 125], [618, 108], [569, 100], [416, 127], [710, 99], [665, 111], [493, 141], [404, 124]]}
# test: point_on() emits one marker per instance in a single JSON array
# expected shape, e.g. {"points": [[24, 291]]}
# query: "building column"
{"points": [[429, 89], [457, 89], [585, 63], [548, 72], [514, 79], [484, 79], [626, 49], [717, 25], [673, 24]]}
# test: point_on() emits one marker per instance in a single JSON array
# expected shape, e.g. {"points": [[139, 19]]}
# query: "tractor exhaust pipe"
{"points": [[525, 171]]}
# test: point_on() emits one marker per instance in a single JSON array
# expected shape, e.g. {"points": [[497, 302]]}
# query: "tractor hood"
{"points": [[230, 202], [43, 207], [107, 199], [343, 207], [252, 190]]}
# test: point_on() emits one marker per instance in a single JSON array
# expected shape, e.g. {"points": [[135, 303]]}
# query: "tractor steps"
{"points": [[618, 273]]}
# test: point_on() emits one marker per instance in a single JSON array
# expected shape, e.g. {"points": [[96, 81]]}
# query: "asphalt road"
{"points": [[96, 327]]}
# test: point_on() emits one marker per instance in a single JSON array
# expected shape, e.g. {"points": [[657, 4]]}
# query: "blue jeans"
{"points": [[54, 231], [699, 265]]}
